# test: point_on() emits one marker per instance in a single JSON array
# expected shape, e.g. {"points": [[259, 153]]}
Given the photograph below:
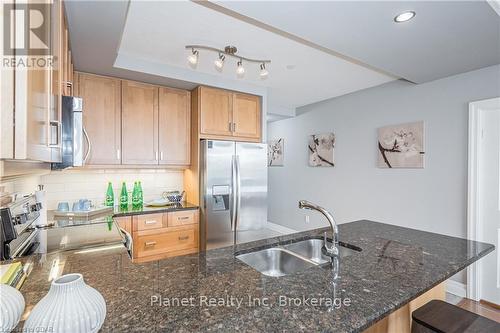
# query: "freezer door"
{"points": [[251, 211], [217, 183]]}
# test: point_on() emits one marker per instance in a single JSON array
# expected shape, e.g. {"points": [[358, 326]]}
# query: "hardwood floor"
{"points": [[480, 308]]}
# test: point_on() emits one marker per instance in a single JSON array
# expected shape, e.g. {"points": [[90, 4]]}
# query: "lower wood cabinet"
{"points": [[157, 236], [400, 320], [165, 241]]}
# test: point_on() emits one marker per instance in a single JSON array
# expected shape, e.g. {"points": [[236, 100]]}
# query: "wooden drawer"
{"points": [[148, 222], [160, 243], [180, 218]]}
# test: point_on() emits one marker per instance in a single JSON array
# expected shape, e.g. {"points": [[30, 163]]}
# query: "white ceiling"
{"points": [[158, 32], [445, 37], [336, 47]]}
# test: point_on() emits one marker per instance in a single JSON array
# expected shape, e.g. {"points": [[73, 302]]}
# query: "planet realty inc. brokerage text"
{"points": [[248, 301]]}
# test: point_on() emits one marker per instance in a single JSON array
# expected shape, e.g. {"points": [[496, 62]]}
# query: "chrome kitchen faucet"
{"points": [[331, 251]]}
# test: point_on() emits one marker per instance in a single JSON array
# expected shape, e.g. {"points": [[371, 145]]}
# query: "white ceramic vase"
{"points": [[11, 307], [70, 306]]}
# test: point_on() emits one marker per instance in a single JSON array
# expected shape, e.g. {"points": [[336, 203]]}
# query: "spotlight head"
{"points": [[193, 57]]}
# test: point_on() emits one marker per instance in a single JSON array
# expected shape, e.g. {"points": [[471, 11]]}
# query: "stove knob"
{"points": [[21, 218], [36, 207]]}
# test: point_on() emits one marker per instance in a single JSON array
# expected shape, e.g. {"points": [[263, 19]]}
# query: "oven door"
{"points": [[25, 244]]}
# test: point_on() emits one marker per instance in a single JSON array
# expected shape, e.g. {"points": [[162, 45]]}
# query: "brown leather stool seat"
{"points": [[439, 316]]}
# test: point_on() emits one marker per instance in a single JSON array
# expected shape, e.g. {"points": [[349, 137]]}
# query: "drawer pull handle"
{"points": [[149, 244], [150, 222], [183, 218], [183, 237]]}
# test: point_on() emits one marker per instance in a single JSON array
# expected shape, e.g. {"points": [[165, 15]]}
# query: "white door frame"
{"points": [[474, 225]]}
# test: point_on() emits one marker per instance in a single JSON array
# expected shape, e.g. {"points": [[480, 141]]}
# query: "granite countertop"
{"points": [[395, 266], [119, 212], [106, 217]]}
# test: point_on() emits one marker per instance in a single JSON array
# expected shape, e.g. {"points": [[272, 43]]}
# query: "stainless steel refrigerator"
{"points": [[234, 191]]}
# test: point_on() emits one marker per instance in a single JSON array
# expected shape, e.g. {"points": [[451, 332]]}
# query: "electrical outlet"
{"points": [[306, 219]]}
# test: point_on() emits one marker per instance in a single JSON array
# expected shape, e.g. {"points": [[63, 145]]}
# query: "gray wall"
{"points": [[432, 199]]}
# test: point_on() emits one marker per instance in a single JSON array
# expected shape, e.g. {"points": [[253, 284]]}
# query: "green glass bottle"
{"points": [[110, 196], [140, 194], [135, 196], [109, 221], [124, 197]]}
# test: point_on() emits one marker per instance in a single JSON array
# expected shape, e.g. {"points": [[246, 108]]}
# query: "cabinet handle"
{"points": [[156, 155], [161, 155], [230, 127], [69, 84], [234, 127], [183, 237], [150, 222], [118, 154], [183, 218], [147, 244]]}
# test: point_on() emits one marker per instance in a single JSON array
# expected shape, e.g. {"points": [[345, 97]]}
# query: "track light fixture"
{"points": [[219, 63], [229, 51], [193, 57]]}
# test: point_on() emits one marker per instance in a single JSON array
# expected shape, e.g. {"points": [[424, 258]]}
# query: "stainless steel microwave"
{"points": [[72, 133]]}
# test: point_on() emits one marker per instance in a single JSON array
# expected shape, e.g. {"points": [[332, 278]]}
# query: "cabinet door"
{"points": [[215, 112], [139, 123], [174, 122], [101, 118], [246, 116]]}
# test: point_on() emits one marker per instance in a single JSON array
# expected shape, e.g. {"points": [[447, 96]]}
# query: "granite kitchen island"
{"points": [[214, 291]]}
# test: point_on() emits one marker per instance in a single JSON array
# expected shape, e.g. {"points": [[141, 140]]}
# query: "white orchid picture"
{"points": [[321, 149], [275, 152], [401, 146]]}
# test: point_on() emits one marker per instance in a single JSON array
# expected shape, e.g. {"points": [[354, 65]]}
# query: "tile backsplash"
{"points": [[22, 185], [69, 186]]}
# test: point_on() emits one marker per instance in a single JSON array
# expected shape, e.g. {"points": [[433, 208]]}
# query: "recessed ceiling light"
{"points": [[405, 16]]}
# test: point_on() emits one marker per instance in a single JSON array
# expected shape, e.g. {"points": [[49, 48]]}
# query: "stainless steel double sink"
{"points": [[291, 258]]}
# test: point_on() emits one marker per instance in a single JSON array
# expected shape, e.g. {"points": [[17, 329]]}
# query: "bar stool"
{"points": [[439, 316]]}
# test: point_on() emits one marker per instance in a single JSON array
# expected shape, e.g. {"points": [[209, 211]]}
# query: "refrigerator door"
{"points": [[218, 204], [251, 165]]}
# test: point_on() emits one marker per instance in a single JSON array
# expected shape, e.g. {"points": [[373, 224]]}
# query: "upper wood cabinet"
{"points": [[101, 117], [174, 126], [139, 123], [246, 116], [215, 111], [226, 115], [133, 123]]}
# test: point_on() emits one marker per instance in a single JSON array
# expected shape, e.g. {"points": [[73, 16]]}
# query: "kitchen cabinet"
{"points": [[161, 235], [227, 115], [215, 111], [246, 116], [66, 64], [33, 131], [133, 123], [139, 123], [101, 117], [174, 126]]}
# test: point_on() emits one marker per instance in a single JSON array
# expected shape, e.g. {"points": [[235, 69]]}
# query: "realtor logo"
{"points": [[27, 35], [26, 31]]}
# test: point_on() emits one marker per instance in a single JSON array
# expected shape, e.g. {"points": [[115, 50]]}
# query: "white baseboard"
{"points": [[279, 228], [456, 288]]}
